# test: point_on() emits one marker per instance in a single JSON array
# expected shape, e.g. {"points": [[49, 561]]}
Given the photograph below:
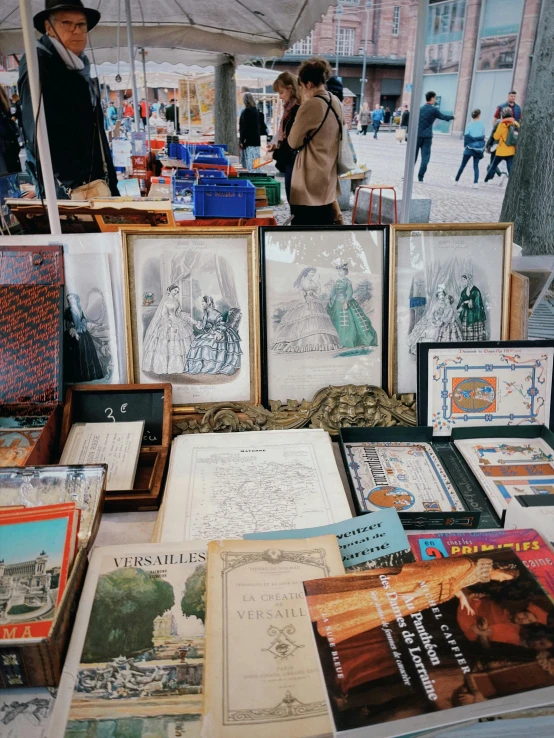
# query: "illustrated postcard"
{"points": [[406, 476], [497, 386]]}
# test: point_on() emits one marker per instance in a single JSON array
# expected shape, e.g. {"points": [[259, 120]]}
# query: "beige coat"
{"points": [[314, 178]]}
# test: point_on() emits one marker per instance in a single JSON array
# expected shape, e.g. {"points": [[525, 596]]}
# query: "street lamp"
{"points": [[339, 13], [368, 5]]}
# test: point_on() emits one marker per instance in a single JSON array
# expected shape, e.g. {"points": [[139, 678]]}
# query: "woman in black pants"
{"points": [[288, 88]]}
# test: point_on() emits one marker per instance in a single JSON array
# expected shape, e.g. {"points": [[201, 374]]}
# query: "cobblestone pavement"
{"points": [[450, 202]]}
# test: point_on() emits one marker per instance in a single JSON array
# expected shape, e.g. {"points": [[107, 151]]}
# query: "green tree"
{"points": [[194, 596], [122, 619]]}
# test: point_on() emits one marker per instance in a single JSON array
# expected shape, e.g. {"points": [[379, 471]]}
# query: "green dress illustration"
{"points": [[472, 311], [350, 321]]}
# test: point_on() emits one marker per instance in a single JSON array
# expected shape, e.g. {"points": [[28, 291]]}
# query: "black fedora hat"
{"points": [[51, 6]]}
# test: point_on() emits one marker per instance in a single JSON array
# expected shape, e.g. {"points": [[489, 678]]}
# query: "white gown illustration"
{"points": [[306, 326], [440, 323], [168, 337]]}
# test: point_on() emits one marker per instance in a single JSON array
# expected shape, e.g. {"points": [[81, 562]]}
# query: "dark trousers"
{"points": [[364, 130], [496, 170], [376, 126], [310, 215], [425, 145], [288, 179], [494, 164], [143, 121], [465, 159]]}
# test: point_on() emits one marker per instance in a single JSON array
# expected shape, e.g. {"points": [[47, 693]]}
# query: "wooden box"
{"points": [[39, 664], [31, 330], [98, 403]]}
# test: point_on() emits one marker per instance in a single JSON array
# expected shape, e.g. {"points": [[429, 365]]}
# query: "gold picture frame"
{"points": [[129, 237], [450, 229]]}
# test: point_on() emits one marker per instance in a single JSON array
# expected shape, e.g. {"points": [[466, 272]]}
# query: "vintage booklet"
{"points": [[36, 552], [114, 444], [432, 643], [249, 482], [25, 713], [530, 547], [407, 476], [136, 655], [507, 467], [262, 676]]}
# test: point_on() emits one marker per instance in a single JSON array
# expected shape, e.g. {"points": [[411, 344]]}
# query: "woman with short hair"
{"points": [[249, 132]]}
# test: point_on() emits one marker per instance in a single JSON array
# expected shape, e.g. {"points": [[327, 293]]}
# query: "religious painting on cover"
{"points": [[323, 293], [193, 313], [499, 384], [449, 284]]}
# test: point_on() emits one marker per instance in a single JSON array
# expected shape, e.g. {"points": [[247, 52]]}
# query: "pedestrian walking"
{"points": [[377, 117], [316, 136], [403, 121], [144, 112], [286, 85], [9, 138], [510, 103], [365, 117], [474, 146], [112, 113], [506, 134], [428, 114], [387, 116], [128, 115], [249, 132], [172, 114]]}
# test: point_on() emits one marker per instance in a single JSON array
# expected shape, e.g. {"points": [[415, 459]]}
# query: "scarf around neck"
{"points": [[79, 64]]}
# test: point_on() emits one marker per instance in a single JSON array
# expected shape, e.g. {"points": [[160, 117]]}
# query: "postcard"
{"points": [[26, 713], [16, 445]]}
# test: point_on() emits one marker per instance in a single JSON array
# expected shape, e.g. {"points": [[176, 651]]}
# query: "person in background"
{"points": [[144, 111], [128, 115], [172, 115], [474, 143], [81, 157], [316, 135], [112, 113], [387, 117], [16, 111], [405, 121], [377, 117], [9, 138], [249, 132], [336, 88], [428, 114], [286, 85], [510, 103], [263, 125], [365, 117], [505, 151]]}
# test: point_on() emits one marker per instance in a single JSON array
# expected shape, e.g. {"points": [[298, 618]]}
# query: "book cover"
{"points": [[403, 648], [35, 552], [529, 546], [262, 675], [25, 713], [136, 658]]}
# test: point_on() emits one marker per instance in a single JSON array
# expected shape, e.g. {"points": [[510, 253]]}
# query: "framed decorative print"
{"points": [[192, 313], [505, 383], [449, 283], [323, 292]]}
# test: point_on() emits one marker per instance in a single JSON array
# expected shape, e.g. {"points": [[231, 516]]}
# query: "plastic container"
{"points": [[227, 169], [272, 186], [211, 174], [206, 150], [214, 158], [225, 199], [180, 152]]}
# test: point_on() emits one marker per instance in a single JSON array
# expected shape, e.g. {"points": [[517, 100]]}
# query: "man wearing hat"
{"points": [[81, 157]]}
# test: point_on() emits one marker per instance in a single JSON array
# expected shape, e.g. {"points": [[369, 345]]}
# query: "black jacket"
{"points": [[249, 128], [9, 145], [405, 120], [75, 128], [428, 114]]}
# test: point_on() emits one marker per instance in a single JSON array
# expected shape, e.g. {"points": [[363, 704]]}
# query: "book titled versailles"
{"points": [[136, 658], [432, 643]]}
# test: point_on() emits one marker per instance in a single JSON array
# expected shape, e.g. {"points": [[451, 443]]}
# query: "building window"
{"points": [[396, 20], [304, 47], [345, 42], [349, 2]]}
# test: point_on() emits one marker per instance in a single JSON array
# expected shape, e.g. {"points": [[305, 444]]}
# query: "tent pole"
{"points": [[188, 109], [131, 46], [146, 98], [41, 132], [417, 89]]}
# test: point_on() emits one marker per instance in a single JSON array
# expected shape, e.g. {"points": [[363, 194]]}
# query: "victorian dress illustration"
{"points": [[167, 339], [439, 324], [351, 323], [472, 313], [216, 350], [347, 606], [81, 362], [306, 326]]}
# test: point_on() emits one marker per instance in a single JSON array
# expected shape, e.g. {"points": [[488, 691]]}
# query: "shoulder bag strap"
{"points": [[309, 137]]}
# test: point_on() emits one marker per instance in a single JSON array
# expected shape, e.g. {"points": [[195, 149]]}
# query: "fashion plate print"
{"points": [[350, 321], [168, 337]]}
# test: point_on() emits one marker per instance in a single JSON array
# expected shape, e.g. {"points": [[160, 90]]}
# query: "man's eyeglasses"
{"points": [[70, 27]]}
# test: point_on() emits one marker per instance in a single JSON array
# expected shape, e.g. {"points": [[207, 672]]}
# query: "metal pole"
{"points": [[188, 110], [131, 46], [146, 98], [363, 80], [41, 132], [417, 89], [339, 13]]}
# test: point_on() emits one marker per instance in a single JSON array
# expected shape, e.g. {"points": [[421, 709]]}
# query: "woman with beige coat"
{"points": [[316, 136]]}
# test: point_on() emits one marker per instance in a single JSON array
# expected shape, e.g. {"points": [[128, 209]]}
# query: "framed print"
{"points": [[323, 294], [449, 283], [484, 384], [192, 313]]}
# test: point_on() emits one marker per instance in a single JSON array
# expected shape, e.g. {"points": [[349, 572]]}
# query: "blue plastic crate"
{"points": [[207, 150], [185, 173], [211, 174], [178, 151], [211, 159], [225, 199]]}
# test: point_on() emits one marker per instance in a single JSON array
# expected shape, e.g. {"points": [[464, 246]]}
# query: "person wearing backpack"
{"points": [[316, 136], [506, 134]]}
